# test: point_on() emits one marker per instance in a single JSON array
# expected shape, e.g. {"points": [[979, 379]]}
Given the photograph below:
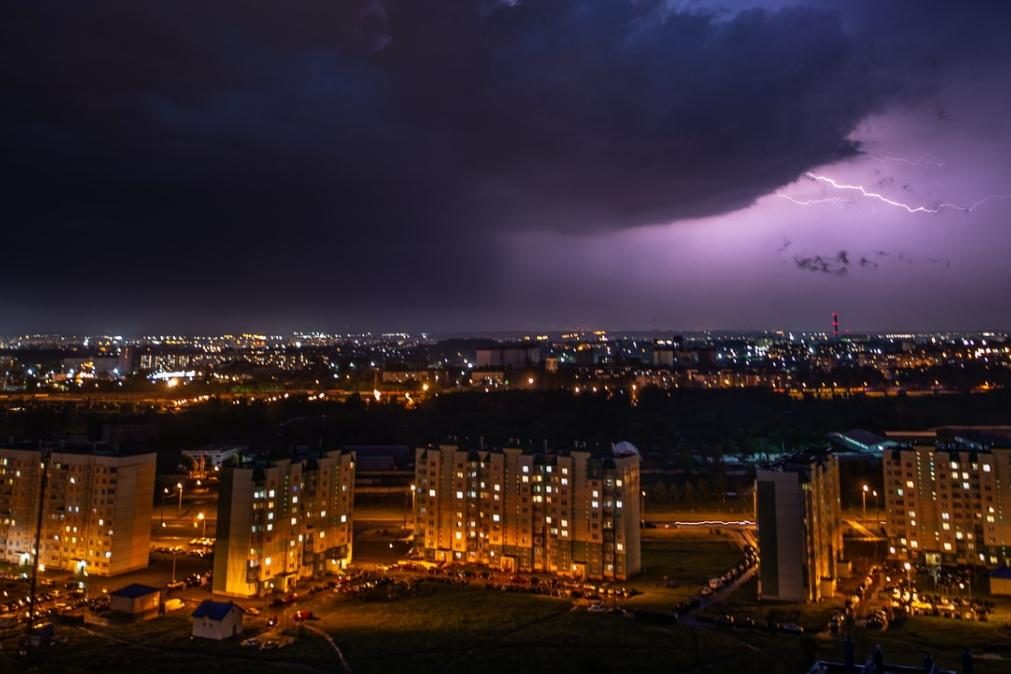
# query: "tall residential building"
{"points": [[281, 521], [948, 501], [571, 513], [96, 512], [799, 527]]}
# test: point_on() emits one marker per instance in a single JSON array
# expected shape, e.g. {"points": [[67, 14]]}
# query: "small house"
{"points": [[217, 620], [135, 600]]}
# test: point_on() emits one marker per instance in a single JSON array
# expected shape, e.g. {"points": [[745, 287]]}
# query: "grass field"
{"points": [[687, 558]]}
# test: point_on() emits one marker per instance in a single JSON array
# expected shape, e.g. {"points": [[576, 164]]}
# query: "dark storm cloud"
{"points": [[349, 154], [836, 266]]}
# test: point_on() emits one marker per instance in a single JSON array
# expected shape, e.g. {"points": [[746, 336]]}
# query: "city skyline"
{"points": [[491, 165]]}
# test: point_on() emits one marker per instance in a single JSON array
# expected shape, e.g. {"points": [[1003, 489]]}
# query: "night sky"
{"points": [[487, 164]]}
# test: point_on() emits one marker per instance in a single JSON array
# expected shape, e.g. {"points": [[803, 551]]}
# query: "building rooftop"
{"points": [[214, 610], [800, 462], [859, 440], [134, 591], [1002, 572], [95, 449]]}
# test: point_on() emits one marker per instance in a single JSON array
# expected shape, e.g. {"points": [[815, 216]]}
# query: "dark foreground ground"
{"points": [[449, 628]]}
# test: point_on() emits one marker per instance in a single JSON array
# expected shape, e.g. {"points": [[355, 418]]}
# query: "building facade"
{"points": [[799, 527], [96, 509], [282, 521], [574, 513], [949, 501]]}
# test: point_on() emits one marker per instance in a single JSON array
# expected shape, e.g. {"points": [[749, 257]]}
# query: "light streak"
{"points": [[863, 191], [928, 159], [813, 202]]}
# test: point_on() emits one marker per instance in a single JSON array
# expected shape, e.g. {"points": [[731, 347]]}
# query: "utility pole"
{"points": [[38, 540]]}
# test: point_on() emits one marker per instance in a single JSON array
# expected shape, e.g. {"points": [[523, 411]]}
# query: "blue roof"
{"points": [[215, 610], [1001, 572], [134, 590]]}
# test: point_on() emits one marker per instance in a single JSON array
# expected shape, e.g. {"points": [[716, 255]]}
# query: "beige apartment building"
{"points": [[799, 527], [96, 509], [282, 521], [948, 499], [574, 513]]}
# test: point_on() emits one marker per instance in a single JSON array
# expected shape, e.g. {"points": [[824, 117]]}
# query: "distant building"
{"points": [[665, 351], [283, 521], [861, 442], [97, 514], [573, 513], [947, 499], [370, 458], [217, 620], [135, 600], [213, 455], [799, 527], [514, 356]]}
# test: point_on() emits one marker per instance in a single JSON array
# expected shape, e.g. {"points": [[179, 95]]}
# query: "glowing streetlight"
{"points": [[164, 495], [179, 487], [202, 518], [864, 496]]}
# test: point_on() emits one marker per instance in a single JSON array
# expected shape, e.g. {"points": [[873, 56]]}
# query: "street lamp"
{"points": [[864, 495], [179, 486], [200, 517], [164, 495], [414, 492]]}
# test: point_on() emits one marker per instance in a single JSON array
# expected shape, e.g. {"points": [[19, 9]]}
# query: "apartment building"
{"points": [[799, 527], [96, 509], [948, 499], [574, 513], [281, 521]]}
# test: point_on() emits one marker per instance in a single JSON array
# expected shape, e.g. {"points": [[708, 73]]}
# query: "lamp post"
{"points": [[864, 495], [164, 495], [179, 486], [202, 518], [414, 491]]}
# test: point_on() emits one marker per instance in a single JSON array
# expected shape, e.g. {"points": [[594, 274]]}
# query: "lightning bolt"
{"points": [[813, 202], [928, 159], [863, 191]]}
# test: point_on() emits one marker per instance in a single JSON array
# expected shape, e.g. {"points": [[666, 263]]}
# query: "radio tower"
{"points": [[835, 325]]}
